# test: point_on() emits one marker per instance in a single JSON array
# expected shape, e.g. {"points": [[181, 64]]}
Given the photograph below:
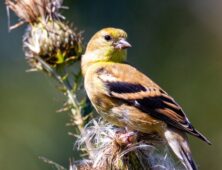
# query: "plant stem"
{"points": [[76, 110]]}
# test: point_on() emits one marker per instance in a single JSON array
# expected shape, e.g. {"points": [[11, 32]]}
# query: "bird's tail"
{"points": [[179, 144]]}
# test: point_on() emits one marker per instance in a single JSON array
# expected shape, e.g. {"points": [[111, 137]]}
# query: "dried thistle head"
{"points": [[35, 11], [48, 37], [118, 148], [55, 42]]}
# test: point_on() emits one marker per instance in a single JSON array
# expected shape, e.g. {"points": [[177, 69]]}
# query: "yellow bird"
{"points": [[127, 98]]}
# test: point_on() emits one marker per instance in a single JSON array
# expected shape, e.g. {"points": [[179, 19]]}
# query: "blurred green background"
{"points": [[177, 43]]}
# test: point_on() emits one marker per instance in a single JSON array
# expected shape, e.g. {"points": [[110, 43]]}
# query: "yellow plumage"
{"points": [[126, 97]]}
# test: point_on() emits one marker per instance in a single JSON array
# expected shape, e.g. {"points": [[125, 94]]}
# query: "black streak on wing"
{"points": [[157, 102], [152, 104], [123, 87]]}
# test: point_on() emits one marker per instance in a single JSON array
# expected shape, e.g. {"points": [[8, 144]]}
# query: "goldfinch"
{"points": [[127, 98]]}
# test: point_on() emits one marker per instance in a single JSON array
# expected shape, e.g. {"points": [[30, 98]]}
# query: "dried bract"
{"points": [[55, 42], [48, 37], [118, 148], [35, 11]]}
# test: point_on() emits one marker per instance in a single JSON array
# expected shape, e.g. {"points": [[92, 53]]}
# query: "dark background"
{"points": [[177, 43]]}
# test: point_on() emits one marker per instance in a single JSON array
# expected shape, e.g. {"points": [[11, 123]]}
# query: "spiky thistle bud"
{"points": [[47, 37]]}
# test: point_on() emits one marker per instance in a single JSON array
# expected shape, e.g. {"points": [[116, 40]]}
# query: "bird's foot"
{"points": [[126, 138]]}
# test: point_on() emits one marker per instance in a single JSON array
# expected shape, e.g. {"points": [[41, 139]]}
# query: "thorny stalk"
{"points": [[51, 46], [72, 96]]}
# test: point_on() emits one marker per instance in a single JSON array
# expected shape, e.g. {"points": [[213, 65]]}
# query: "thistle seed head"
{"points": [[54, 42], [47, 37], [35, 11], [110, 150]]}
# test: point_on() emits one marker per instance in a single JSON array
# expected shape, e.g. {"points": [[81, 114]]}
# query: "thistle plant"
{"points": [[54, 47], [51, 46]]}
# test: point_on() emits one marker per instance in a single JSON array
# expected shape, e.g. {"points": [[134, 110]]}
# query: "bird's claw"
{"points": [[126, 138]]}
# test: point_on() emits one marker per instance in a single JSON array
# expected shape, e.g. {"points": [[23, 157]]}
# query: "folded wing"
{"points": [[146, 96]]}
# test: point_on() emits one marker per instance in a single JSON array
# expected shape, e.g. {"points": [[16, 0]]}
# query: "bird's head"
{"points": [[107, 45]]}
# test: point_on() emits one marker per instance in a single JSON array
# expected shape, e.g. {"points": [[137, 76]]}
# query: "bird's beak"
{"points": [[122, 44]]}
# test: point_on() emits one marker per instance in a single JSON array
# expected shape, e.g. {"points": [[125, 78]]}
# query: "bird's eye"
{"points": [[108, 37]]}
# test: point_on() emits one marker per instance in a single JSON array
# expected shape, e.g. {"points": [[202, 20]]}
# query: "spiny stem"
{"points": [[71, 95], [76, 111]]}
